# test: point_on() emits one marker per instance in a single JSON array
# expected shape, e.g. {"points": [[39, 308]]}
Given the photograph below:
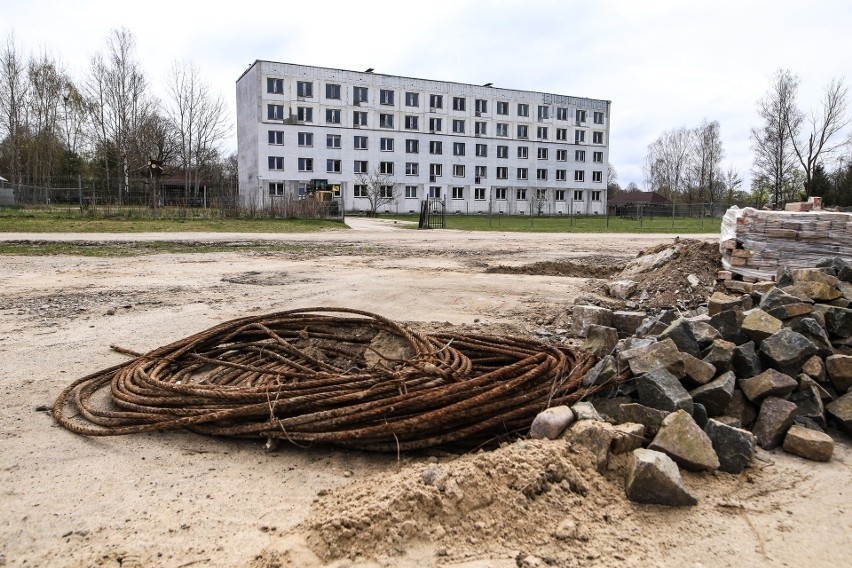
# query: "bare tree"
{"points": [[47, 82], [199, 121], [821, 129], [707, 154], [14, 86], [378, 188], [731, 181], [667, 162], [774, 153]]}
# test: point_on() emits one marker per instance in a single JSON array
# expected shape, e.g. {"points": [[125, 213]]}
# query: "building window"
{"points": [[561, 175], [562, 155], [543, 112], [502, 129], [500, 193], [360, 142], [579, 175], [580, 115], [304, 89], [411, 192], [412, 168], [597, 137], [412, 146], [559, 195], [434, 192], [502, 172], [481, 106], [458, 193], [360, 190], [579, 155], [332, 116], [502, 107], [359, 94], [523, 152], [578, 195], [332, 91], [523, 109], [434, 124], [521, 194], [386, 144], [386, 168], [332, 140], [385, 120], [598, 118], [523, 131], [458, 170], [359, 118], [306, 164], [306, 139], [597, 157], [436, 101], [276, 188], [562, 134], [523, 173], [502, 151], [596, 196], [276, 162], [412, 99], [561, 113], [411, 123], [332, 166], [479, 193], [541, 194], [386, 97], [276, 137], [436, 147], [275, 112], [541, 132], [458, 148], [542, 153], [480, 128], [579, 136], [458, 126], [482, 150], [597, 176], [360, 167], [541, 174], [304, 114], [436, 170], [386, 191], [481, 171], [274, 86], [458, 103]]}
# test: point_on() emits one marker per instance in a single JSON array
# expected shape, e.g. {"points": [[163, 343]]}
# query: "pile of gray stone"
{"points": [[770, 366]]}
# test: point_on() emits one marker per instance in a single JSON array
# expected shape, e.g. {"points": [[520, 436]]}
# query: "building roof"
{"points": [[639, 197]]}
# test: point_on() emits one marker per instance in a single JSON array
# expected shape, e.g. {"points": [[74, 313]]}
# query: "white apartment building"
{"points": [[479, 148]]}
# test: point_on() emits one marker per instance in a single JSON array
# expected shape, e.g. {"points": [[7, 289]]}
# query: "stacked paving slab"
{"points": [[769, 367]]}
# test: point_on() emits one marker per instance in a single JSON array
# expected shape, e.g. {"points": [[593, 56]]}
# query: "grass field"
{"points": [[593, 224]]}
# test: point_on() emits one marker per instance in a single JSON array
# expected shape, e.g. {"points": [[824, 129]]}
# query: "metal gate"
{"points": [[433, 214]]}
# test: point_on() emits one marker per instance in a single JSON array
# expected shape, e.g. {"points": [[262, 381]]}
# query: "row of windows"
{"points": [[334, 141], [435, 170], [305, 115], [479, 193], [305, 89]]}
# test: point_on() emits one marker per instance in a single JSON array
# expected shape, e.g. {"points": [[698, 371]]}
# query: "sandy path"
{"points": [[184, 500]]}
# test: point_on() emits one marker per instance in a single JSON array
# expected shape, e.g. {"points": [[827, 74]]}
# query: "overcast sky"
{"points": [[663, 64]]}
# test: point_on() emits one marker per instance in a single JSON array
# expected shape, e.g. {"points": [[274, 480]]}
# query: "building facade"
{"points": [[481, 149]]}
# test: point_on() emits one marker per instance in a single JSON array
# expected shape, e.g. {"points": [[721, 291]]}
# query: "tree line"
{"points": [[107, 124], [797, 153]]}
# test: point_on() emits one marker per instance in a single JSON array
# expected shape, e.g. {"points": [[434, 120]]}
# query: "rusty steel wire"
{"points": [[333, 376]]}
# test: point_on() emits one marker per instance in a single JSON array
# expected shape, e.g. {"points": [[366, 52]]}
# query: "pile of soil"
{"points": [[600, 267]]}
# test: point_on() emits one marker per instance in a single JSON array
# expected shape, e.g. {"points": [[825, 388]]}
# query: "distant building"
{"points": [[480, 148], [630, 203]]}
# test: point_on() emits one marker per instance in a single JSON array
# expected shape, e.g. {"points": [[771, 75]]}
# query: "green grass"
{"points": [[126, 249], [48, 220], [591, 224]]}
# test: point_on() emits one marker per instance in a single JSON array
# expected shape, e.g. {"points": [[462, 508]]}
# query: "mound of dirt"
{"points": [[602, 267], [550, 496]]}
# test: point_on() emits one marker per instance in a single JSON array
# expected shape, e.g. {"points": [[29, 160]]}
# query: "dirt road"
{"points": [[180, 499]]}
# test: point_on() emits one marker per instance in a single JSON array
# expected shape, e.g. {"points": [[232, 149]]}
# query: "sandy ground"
{"points": [[179, 499]]}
